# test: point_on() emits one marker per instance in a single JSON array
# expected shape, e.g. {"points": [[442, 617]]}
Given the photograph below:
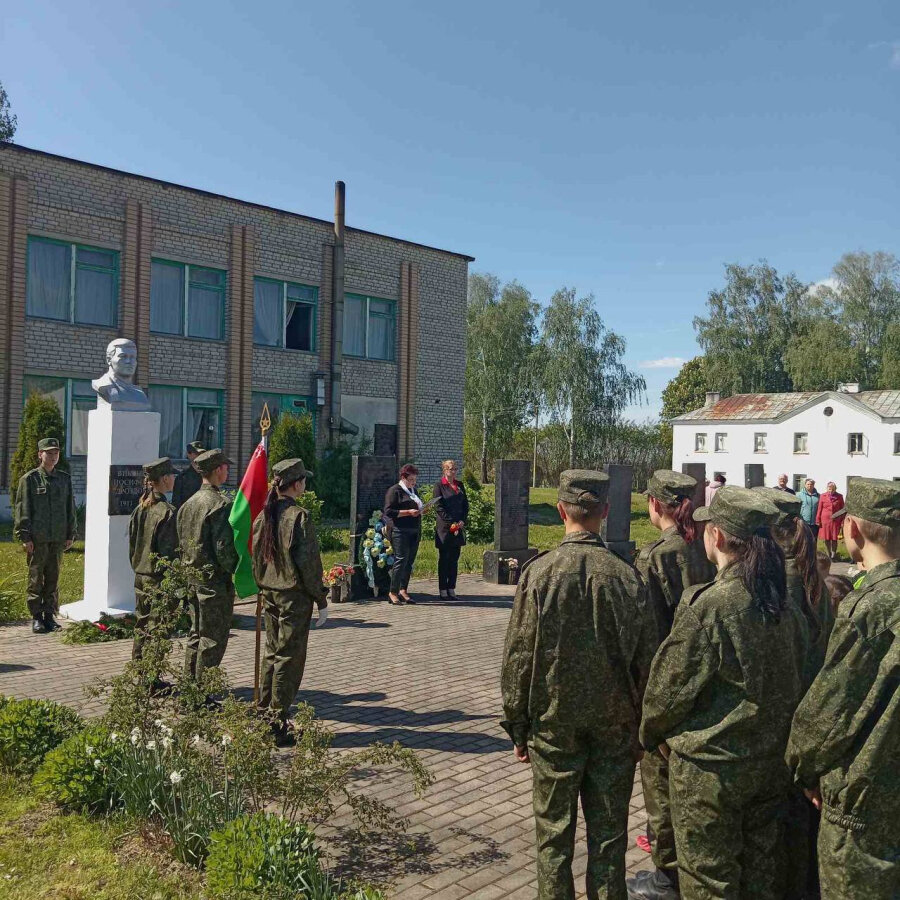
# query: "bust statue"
{"points": [[115, 387]]}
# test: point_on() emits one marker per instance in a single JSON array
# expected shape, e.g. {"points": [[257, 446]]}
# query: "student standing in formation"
{"points": [[45, 524], [669, 566], [188, 482], [844, 746], [287, 568], [207, 543], [723, 688], [151, 537], [578, 650]]}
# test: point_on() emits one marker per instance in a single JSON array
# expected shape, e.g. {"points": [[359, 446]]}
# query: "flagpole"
{"points": [[265, 423]]}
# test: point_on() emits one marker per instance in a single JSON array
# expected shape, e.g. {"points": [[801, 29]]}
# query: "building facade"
{"points": [[824, 435], [231, 306]]}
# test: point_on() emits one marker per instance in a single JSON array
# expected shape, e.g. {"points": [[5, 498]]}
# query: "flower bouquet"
{"points": [[377, 550], [337, 578], [456, 528], [511, 565]]}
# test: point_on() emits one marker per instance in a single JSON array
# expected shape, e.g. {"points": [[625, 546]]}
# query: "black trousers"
{"points": [[448, 566], [406, 546]]}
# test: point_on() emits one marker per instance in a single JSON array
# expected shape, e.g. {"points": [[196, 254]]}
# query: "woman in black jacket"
{"points": [[452, 509], [403, 510]]}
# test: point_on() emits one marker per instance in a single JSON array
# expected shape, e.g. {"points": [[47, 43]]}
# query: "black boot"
{"points": [[38, 626], [51, 624], [284, 737], [661, 884]]}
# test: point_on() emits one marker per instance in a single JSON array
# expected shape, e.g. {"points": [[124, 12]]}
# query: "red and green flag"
{"points": [[248, 504]]}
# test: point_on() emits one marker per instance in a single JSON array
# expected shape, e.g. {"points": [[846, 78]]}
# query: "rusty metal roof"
{"points": [[768, 407]]}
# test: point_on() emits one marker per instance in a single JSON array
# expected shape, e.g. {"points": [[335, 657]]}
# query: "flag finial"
{"points": [[265, 420]]}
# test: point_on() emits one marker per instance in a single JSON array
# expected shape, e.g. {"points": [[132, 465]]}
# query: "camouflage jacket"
{"points": [[846, 731], [297, 565], [45, 507], [725, 682], [204, 534], [820, 626], [670, 566], [187, 483], [151, 530], [578, 647]]}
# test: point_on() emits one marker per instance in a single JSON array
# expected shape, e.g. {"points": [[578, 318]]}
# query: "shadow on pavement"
{"points": [[447, 741]]}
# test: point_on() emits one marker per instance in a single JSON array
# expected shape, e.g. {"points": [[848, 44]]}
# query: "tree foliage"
{"points": [[8, 121], [292, 437], [890, 358], [687, 390], [41, 418]]}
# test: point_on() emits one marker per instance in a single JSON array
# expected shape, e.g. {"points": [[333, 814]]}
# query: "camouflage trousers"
{"points": [[859, 865], [210, 607], [655, 781], [564, 771], [728, 820], [288, 615], [44, 564]]}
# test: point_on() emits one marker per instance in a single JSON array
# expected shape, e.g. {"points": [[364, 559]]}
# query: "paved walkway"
{"points": [[425, 675]]}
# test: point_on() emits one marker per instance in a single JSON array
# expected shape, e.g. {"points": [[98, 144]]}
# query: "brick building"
{"points": [[231, 304]]}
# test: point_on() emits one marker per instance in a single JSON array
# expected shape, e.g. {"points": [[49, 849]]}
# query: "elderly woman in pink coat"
{"points": [[830, 503]]}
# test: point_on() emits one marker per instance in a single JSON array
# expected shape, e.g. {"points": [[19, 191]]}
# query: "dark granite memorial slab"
{"points": [[370, 478], [754, 475], [617, 526], [698, 472], [512, 483], [126, 485]]}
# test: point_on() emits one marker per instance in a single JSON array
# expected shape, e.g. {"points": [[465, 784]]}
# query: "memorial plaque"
{"points": [[698, 472], [512, 479], [616, 530], [384, 440], [754, 475], [126, 485], [370, 478]]}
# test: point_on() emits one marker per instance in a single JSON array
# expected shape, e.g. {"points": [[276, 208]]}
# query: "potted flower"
{"points": [[337, 578], [509, 570]]}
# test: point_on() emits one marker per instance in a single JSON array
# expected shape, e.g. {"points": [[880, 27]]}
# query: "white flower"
{"points": [[166, 742], [159, 723], [135, 739], [195, 740], [175, 778], [113, 738], [89, 750], [151, 745], [226, 740], [97, 763]]}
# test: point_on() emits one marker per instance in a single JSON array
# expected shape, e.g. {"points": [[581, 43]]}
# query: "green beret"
{"points": [[739, 511], [48, 444], [210, 460], [670, 487], [290, 470], [195, 447], [788, 504], [585, 487], [158, 468], [875, 500]]}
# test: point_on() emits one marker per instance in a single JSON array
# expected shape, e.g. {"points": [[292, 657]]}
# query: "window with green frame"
{"points": [[369, 327], [278, 404], [284, 314], [188, 414], [72, 282], [187, 300], [75, 398]]}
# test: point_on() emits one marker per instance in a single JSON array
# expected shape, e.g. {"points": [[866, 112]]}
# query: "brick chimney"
{"points": [[712, 397], [850, 387]]}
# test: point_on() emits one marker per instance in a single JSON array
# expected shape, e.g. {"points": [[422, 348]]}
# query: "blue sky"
{"points": [[628, 150]]}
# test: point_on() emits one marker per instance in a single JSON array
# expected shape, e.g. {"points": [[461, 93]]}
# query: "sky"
{"points": [[627, 150]]}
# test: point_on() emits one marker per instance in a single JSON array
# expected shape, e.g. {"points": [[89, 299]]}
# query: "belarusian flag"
{"points": [[248, 504]]}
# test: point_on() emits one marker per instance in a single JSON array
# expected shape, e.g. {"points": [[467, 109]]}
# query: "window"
{"points": [[284, 314], [759, 442], [700, 442], [72, 283], [799, 482], [202, 316], [188, 414], [278, 404], [75, 399], [800, 442], [721, 442], [855, 442], [369, 327]]}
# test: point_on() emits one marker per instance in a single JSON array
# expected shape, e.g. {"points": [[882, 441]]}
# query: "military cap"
{"points": [[210, 460], [290, 470], [788, 504], [158, 468], [739, 511], [195, 447], [873, 499], [585, 487], [670, 487], [48, 444]]}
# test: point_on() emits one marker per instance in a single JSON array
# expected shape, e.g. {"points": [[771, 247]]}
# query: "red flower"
{"points": [[101, 626]]}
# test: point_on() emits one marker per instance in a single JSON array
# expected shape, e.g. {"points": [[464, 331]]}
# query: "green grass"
{"points": [[46, 854]]}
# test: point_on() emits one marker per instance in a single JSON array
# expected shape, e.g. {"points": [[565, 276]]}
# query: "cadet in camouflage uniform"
{"points": [[45, 524], [151, 534], [722, 690], [844, 746], [670, 565], [206, 541], [188, 482], [287, 568], [578, 651]]}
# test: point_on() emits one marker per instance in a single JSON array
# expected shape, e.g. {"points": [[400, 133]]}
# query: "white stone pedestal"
{"points": [[115, 438]]}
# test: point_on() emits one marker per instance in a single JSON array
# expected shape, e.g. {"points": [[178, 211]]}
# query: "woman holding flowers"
{"points": [[452, 510], [403, 510]]}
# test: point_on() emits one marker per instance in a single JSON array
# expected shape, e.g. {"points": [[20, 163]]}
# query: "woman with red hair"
{"points": [[829, 524], [403, 510]]}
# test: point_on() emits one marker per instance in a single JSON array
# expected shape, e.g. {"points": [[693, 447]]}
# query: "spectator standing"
{"points": [[452, 510], [783, 485], [403, 510], [830, 503], [188, 482], [717, 482], [809, 505]]}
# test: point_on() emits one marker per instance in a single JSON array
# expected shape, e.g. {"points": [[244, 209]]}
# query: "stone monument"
{"points": [[697, 471], [616, 531], [512, 481], [754, 475], [123, 434], [370, 478]]}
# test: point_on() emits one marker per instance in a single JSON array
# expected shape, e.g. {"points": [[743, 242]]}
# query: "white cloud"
{"points": [[894, 47], [667, 362], [816, 286]]}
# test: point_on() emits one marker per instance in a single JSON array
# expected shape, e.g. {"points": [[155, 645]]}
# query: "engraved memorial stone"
{"points": [[512, 479], [617, 526], [370, 478], [754, 475], [697, 471], [126, 484]]}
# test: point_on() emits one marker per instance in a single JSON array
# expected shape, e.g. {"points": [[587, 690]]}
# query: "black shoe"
{"points": [[38, 626], [160, 687], [657, 885], [284, 737], [51, 624]]}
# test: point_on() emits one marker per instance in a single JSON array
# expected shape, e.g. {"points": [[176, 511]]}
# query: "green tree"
{"points": [[748, 326], [292, 437], [687, 390], [890, 359], [500, 334], [8, 121], [41, 418], [585, 383], [821, 355]]}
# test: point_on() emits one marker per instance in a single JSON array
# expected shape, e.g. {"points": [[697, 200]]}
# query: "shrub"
{"points": [[327, 536], [480, 524], [31, 728], [333, 471], [261, 855], [76, 774], [12, 602], [292, 436], [41, 418]]}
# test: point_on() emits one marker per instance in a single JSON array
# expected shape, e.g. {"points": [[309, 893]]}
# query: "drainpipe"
{"points": [[337, 312]]}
